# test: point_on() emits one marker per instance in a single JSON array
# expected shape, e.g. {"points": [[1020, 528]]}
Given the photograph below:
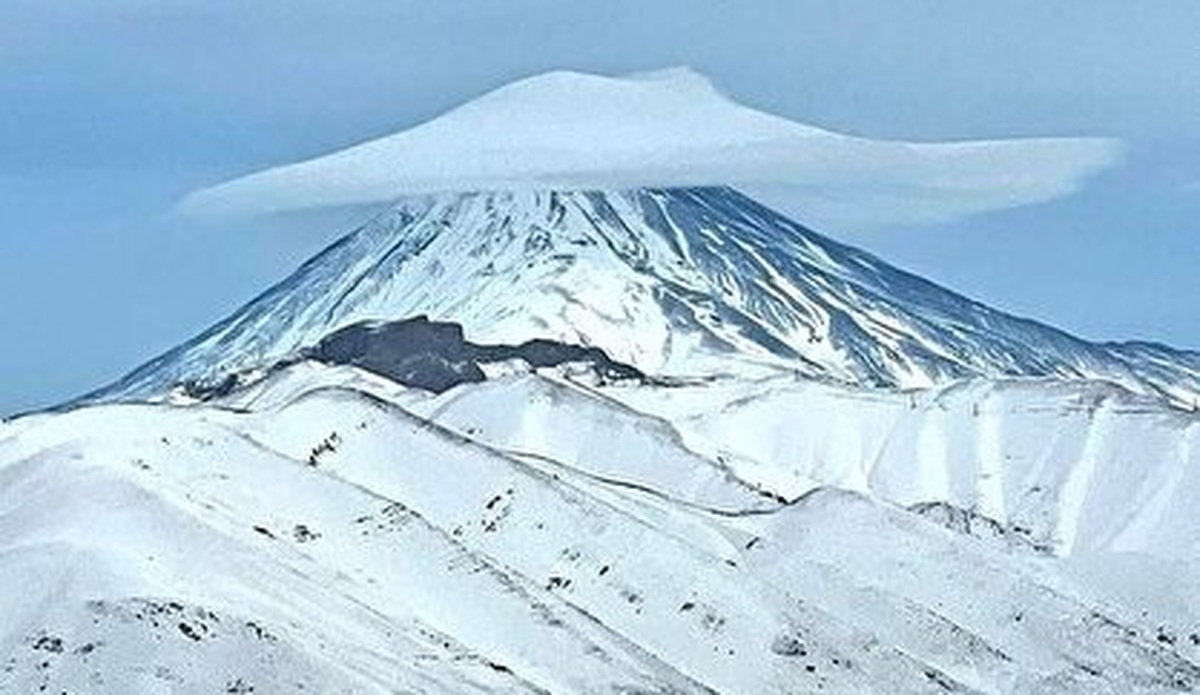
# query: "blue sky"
{"points": [[113, 110]]}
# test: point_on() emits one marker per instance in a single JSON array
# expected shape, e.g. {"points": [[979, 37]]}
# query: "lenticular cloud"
{"points": [[568, 130]]}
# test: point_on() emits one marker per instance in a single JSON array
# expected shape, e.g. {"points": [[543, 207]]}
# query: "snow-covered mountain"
{"points": [[632, 439], [681, 282]]}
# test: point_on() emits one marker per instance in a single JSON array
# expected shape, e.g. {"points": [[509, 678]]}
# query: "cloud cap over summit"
{"points": [[570, 130]]}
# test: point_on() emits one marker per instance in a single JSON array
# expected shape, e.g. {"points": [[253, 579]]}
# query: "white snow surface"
{"points": [[325, 530], [570, 130], [1070, 467]]}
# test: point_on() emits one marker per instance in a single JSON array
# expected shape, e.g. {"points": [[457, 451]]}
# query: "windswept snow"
{"points": [[568, 130]]}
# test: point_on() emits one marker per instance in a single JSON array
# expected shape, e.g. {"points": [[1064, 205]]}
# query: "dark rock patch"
{"points": [[436, 356]]}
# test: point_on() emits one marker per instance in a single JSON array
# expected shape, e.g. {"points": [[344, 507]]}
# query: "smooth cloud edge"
{"points": [[941, 181]]}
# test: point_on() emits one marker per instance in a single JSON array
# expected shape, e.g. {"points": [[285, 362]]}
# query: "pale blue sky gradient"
{"points": [[109, 111]]}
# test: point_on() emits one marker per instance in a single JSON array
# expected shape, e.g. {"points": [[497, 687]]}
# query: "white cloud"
{"points": [[671, 128]]}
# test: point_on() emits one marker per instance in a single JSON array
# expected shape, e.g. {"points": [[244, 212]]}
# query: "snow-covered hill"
{"points": [[325, 530], [1072, 467], [683, 282]]}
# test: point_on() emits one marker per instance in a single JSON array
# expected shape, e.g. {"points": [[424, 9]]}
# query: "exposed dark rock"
{"points": [[49, 643], [972, 523], [203, 392], [788, 645], [436, 356]]}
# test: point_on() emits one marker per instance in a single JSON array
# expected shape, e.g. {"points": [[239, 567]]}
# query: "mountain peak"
{"points": [[675, 282]]}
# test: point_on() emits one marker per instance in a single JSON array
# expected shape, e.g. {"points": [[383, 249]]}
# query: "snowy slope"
{"points": [[676, 281], [1060, 468], [1072, 467], [329, 536]]}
